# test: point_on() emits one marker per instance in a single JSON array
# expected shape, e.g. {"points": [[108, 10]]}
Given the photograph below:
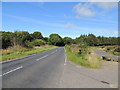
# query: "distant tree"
{"points": [[46, 39], [55, 39], [31, 37], [6, 39], [67, 40], [92, 40], [23, 38], [37, 35], [19, 37]]}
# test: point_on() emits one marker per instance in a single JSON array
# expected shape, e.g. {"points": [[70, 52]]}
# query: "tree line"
{"points": [[26, 39]]}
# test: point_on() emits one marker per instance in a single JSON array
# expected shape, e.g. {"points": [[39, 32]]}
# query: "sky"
{"points": [[68, 19]]}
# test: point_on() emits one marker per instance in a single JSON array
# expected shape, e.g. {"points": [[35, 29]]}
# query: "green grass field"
{"points": [[17, 52]]}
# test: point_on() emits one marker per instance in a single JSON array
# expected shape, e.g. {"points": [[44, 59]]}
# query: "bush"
{"points": [[108, 48], [83, 48], [117, 49], [80, 58], [28, 44], [102, 47], [38, 42]]}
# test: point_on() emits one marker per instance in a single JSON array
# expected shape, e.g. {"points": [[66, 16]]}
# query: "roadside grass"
{"points": [[87, 60], [93, 60], [18, 51]]}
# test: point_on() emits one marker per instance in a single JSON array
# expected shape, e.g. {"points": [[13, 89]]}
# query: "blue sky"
{"points": [[64, 18]]}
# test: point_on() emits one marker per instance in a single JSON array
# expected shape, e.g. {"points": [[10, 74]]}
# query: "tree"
{"points": [[46, 39], [6, 39], [36, 42], [23, 38], [20, 37], [37, 35], [67, 40], [92, 40], [55, 39]]}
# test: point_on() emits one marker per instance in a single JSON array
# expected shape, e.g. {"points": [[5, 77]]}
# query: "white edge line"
{"points": [[65, 57], [11, 71]]}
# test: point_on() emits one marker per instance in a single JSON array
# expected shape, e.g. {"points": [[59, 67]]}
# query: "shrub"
{"points": [[38, 42], [83, 48], [117, 49], [102, 47], [28, 44]]}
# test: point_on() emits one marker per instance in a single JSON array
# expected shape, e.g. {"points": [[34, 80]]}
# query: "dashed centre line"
{"points": [[54, 51], [41, 57], [22, 66], [11, 71], [45, 56]]}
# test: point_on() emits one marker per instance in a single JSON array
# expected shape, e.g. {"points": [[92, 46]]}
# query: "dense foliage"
{"points": [[92, 40], [55, 39], [36, 42], [26, 39]]}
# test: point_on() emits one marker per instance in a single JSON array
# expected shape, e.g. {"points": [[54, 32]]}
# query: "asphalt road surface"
{"points": [[103, 53], [51, 69]]}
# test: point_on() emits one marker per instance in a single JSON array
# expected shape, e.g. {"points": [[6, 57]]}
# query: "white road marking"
{"points": [[65, 51], [11, 71], [21, 57], [54, 51], [37, 59], [45, 56], [41, 58], [65, 58]]}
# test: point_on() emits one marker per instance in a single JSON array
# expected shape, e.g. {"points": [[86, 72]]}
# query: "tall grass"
{"points": [[87, 60], [18, 51]]}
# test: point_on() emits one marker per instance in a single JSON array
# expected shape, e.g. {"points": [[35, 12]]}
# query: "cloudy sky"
{"points": [[64, 18]]}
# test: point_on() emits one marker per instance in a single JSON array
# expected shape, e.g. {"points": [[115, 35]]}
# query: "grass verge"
{"points": [[18, 51], [87, 60]]}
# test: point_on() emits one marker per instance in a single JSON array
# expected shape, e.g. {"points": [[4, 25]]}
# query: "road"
{"points": [[103, 53], [51, 69]]}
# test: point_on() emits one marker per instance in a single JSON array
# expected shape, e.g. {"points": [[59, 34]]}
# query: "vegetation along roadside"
{"points": [[80, 54], [18, 51], [22, 43]]}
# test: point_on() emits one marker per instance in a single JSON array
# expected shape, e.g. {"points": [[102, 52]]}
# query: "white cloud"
{"points": [[84, 10], [87, 10], [106, 5]]}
